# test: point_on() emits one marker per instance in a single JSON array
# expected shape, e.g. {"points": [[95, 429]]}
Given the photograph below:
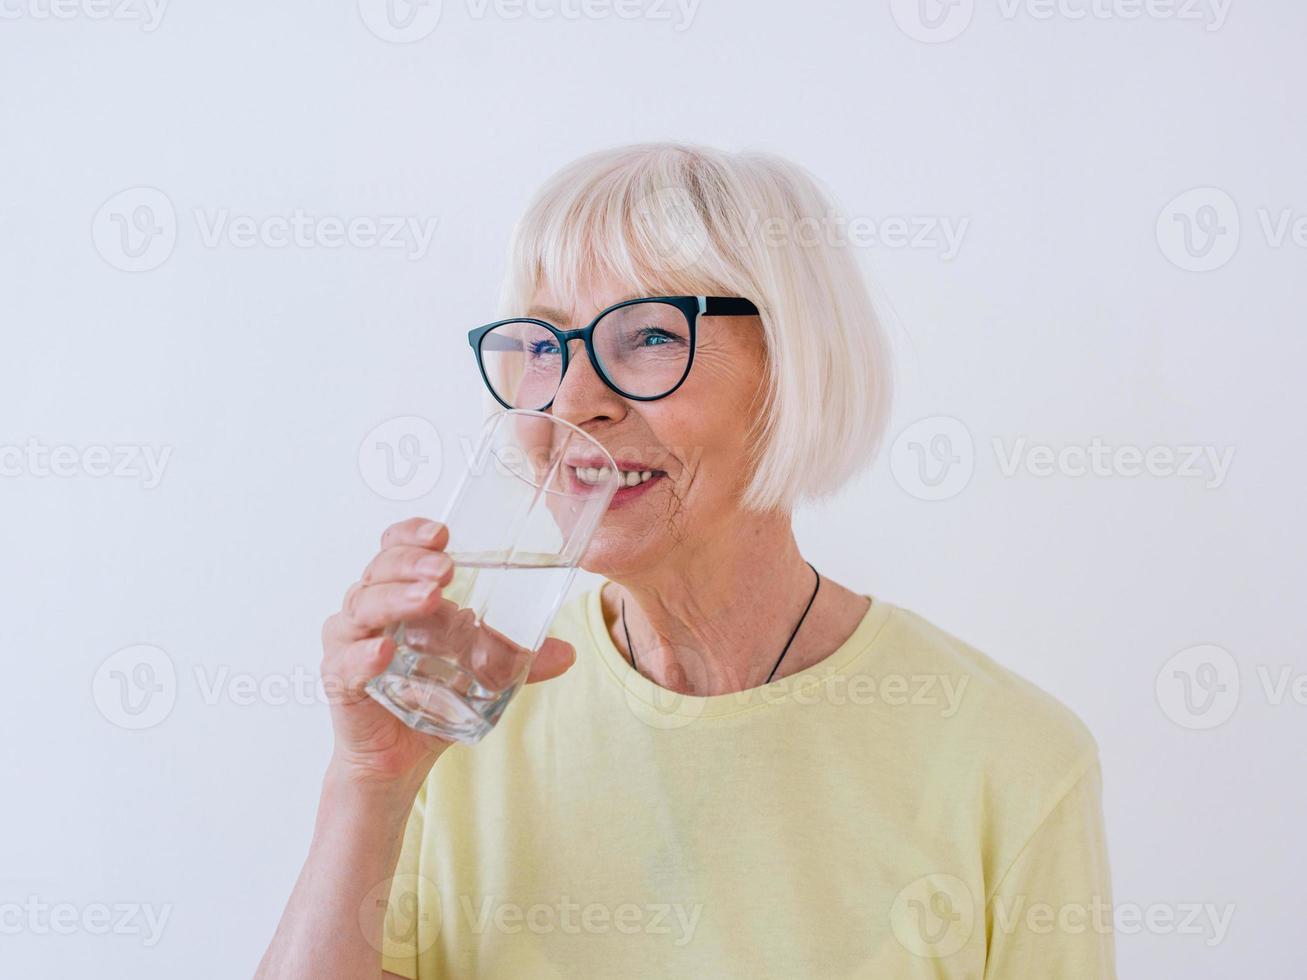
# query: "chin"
{"points": [[604, 559], [613, 551]]}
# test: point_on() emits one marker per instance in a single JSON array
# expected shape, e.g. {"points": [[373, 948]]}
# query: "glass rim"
{"points": [[493, 421]]}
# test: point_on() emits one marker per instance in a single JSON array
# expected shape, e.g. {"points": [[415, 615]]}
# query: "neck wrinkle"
{"points": [[715, 621]]}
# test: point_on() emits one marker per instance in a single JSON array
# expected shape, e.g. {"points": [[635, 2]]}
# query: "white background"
{"points": [[1073, 310]]}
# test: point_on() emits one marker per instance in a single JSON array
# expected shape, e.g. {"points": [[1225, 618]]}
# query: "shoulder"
{"points": [[1004, 750], [999, 721]]}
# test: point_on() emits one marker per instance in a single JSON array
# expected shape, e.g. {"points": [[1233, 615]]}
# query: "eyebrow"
{"points": [[547, 313]]}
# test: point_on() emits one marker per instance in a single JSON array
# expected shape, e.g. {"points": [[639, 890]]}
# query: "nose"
{"points": [[582, 394]]}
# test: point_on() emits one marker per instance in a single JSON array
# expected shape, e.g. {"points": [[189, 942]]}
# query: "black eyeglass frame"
{"points": [[692, 307]]}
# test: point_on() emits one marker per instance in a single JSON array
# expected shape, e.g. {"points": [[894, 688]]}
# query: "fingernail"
{"points": [[422, 591], [435, 565], [427, 532]]}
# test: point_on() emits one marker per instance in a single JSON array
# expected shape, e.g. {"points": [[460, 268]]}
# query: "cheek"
{"points": [[705, 424], [703, 435]]}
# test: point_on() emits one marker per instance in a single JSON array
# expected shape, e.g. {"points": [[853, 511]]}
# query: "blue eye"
{"points": [[538, 347], [654, 333]]}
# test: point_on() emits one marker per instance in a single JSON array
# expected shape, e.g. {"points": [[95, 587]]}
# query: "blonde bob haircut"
{"points": [[676, 219]]}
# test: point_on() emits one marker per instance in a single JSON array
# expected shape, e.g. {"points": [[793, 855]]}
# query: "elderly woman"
{"points": [[737, 767]]}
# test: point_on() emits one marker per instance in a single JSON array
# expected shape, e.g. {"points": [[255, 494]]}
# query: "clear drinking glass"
{"points": [[519, 523]]}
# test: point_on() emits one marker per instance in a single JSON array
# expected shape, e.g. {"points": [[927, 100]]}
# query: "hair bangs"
{"points": [[639, 218]]}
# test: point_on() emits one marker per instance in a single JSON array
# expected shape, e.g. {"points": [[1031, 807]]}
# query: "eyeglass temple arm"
{"points": [[726, 306]]}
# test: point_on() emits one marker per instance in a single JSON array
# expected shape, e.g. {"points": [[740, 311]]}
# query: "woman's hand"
{"points": [[403, 582], [329, 927]]}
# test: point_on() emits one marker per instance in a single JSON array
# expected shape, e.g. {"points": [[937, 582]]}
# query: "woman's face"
{"points": [[694, 440]]}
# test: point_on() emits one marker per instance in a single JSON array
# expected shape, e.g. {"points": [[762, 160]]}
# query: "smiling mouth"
{"points": [[596, 475]]}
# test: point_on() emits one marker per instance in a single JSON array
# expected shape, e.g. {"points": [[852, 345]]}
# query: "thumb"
{"points": [[552, 659]]}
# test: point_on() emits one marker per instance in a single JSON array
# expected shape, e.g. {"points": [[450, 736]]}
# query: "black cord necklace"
{"points": [[793, 634]]}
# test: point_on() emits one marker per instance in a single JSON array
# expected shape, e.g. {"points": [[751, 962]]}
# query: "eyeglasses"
{"points": [[642, 349]]}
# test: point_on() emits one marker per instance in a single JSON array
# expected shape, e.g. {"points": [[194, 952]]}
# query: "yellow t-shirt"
{"points": [[906, 808]]}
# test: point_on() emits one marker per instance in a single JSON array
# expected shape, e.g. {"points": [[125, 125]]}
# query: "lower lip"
{"points": [[624, 495]]}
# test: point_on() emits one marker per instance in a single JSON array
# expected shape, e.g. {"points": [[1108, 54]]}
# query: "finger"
{"points": [[417, 531], [347, 669], [369, 608], [406, 563], [554, 657]]}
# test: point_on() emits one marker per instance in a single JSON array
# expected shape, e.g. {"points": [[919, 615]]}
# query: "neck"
{"points": [[714, 616]]}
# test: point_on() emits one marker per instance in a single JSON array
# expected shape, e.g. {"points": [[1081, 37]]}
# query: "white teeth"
{"points": [[627, 478]]}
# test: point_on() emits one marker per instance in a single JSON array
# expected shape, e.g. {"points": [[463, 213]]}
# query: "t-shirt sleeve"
{"points": [[408, 923], [1050, 915]]}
